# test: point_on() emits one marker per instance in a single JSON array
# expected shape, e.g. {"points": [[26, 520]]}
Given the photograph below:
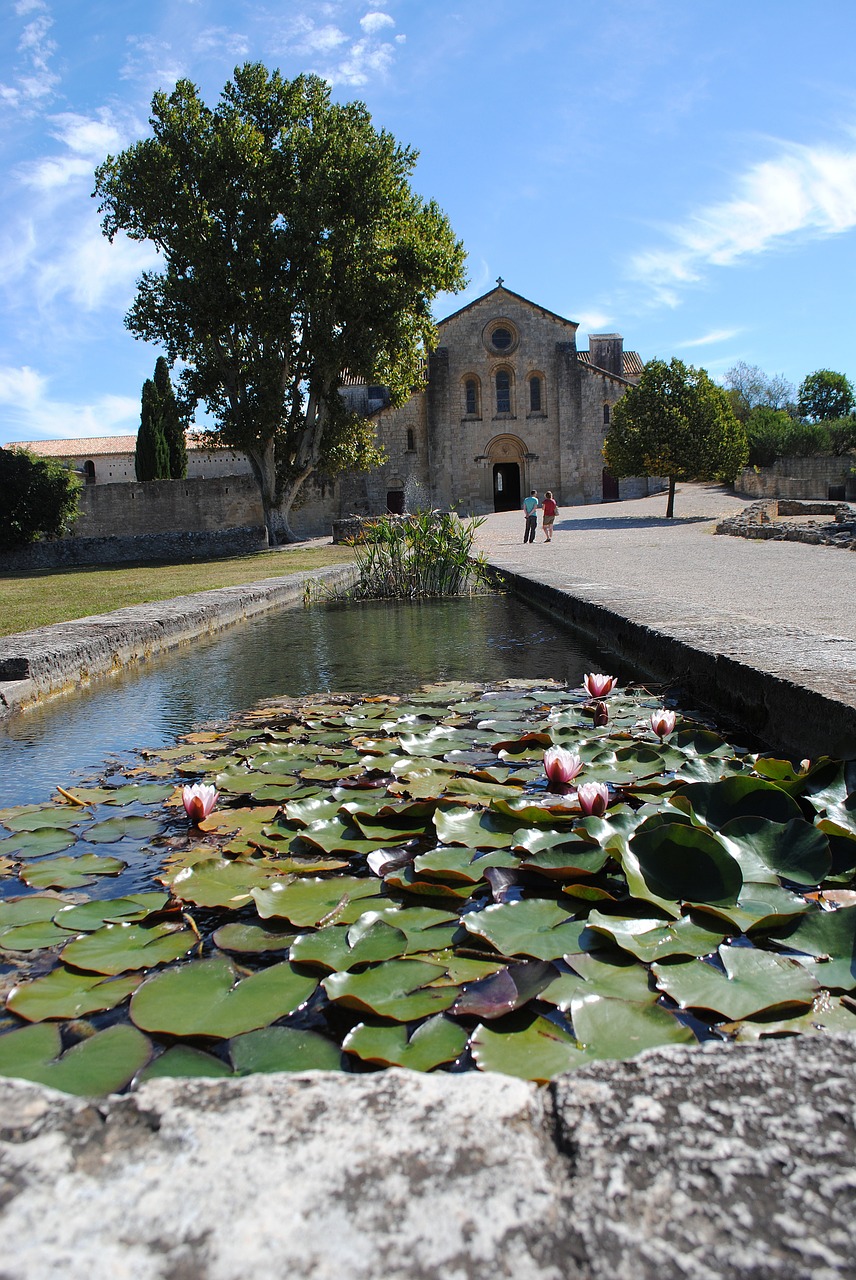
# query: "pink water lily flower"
{"points": [[663, 723], [561, 766], [198, 800], [593, 798], [598, 686]]}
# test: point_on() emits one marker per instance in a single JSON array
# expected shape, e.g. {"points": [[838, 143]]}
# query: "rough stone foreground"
{"points": [[51, 659], [714, 1161], [762, 632]]}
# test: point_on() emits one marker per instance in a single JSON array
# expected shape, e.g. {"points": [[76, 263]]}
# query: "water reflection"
{"points": [[365, 648]]}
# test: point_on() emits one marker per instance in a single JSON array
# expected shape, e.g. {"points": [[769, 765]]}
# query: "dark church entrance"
{"points": [[506, 486]]}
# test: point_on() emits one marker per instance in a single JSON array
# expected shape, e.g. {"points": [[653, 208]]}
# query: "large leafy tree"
{"points": [[293, 250], [750, 388], [825, 395], [675, 422]]}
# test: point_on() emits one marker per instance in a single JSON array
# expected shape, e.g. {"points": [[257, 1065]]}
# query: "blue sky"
{"points": [[681, 171]]}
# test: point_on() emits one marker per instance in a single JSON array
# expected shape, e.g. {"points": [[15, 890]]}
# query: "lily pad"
{"points": [[306, 903], [504, 991], [649, 940], [182, 1060], [397, 989], [749, 982], [716, 803], [209, 998], [69, 872], [794, 850], [84, 917], [103, 1063], [111, 829], [434, 1042], [829, 937], [685, 863], [530, 927], [339, 947], [283, 1049], [610, 1028], [251, 939], [65, 994], [117, 948], [529, 1048]]}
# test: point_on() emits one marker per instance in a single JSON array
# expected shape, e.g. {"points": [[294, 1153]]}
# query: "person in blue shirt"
{"points": [[530, 506]]}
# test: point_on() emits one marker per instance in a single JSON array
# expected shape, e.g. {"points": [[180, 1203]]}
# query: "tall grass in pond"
{"points": [[426, 554]]}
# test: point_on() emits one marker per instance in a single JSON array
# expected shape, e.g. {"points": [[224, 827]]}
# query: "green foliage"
{"points": [[826, 395], [842, 434], [775, 434], [678, 423], [293, 250], [172, 421], [39, 498], [151, 457], [749, 388], [428, 554]]}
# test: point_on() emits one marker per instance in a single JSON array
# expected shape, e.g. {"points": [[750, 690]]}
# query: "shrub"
{"points": [[428, 554], [842, 435], [39, 498], [767, 431]]}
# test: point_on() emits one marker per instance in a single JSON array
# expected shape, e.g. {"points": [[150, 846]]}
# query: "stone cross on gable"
{"points": [[500, 281]]}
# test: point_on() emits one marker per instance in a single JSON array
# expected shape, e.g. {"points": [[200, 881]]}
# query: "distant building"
{"points": [[509, 404], [110, 459]]}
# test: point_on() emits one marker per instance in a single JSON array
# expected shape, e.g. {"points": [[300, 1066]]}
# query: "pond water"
{"points": [[362, 648]]}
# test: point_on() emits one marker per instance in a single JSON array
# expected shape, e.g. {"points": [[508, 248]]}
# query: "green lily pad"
{"points": [[529, 1048], [608, 973], [118, 947], [218, 882], [458, 824], [283, 1049], [794, 850], [84, 917], [35, 909], [752, 982], [69, 872], [649, 940], [185, 1061], [64, 994], [308, 903], [37, 844], [111, 829], [36, 818], [339, 947], [397, 989], [104, 1063], [32, 937], [566, 861], [759, 908], [685, 863], [830, 937], [530, 927], [716, 803], [610, 1028], [208, 998], [827, 1014], [434, 1042], [251, 939]]}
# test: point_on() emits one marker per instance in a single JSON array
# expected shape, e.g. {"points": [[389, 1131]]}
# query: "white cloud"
{"points": [[365, 61], [374, 22], [35, 81], [221, 40], [594, 321], [29, 413], [804, 191], [710, 339]]}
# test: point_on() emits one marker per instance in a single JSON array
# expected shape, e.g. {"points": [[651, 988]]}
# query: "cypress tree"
{"points": [[151, 458], [172, 424]]}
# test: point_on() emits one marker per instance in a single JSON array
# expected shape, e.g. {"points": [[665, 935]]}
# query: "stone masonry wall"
{"points": [[798, 478], [168, 506]]}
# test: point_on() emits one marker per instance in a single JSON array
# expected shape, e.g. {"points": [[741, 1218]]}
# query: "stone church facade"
{"points": [[509, 405]]}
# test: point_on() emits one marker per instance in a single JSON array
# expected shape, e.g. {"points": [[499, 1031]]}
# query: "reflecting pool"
{"points": [[359, 648]]}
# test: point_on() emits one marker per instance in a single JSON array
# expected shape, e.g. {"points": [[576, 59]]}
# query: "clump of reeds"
{"points": [[411, 557]]}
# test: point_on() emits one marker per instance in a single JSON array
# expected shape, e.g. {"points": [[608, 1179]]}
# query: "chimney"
{"points": [[607, 352]]}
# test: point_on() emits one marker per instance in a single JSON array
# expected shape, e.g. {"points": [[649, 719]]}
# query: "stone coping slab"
{"points": [[48, 660], [688, 1162]]}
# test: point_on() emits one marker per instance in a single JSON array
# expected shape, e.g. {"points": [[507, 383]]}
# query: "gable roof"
{"points": [[518, 297], [88, 446], [633, 365]]}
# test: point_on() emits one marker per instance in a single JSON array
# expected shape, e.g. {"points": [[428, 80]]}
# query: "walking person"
{"points": [[530, 506], [549, 508]]}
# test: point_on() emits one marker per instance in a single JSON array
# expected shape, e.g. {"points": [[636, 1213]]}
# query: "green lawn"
{"points": [[41, 597]]}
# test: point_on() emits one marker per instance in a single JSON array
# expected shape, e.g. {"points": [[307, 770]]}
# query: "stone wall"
{"points": [[800, 478], [767, 520], [168, 506], [59, 553]]}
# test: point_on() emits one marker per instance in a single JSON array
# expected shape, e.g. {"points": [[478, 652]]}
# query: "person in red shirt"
{"points": [[548, 515]]}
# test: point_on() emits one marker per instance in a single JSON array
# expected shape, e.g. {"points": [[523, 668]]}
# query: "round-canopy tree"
{"points": [[39, 497], [675, 422], [293, 251], [824, 395]]}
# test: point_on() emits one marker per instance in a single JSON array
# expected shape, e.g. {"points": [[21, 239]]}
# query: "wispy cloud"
{"points": [[593, 321], [803, 191], [340, 56], [34, 80], [710, 339], [29, 412], [374, 22]]}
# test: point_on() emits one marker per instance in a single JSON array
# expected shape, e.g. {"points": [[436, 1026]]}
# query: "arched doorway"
{"points": [[506, 486], [507, 456]]}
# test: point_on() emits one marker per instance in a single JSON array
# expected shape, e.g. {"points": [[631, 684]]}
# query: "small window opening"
{"points": [[503, 392], [534, 395], [411, 444], [606, 415]]}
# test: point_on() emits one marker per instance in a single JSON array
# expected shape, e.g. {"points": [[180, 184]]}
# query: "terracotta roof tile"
{"points": [[86, 446]]}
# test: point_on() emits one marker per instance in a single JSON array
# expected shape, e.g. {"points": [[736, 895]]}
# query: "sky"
{"points": [[682, 172]]}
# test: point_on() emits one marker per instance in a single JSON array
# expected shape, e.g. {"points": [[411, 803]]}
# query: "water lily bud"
{"points": [[561, 766], [198, 800], [598, 686], [663, 723], [601, 713], [593, 798]]}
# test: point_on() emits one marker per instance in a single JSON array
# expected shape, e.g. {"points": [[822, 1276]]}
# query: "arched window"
{"points": [[535, 399], [471, 397], [503, 392], [606, 415], [411, 444], [89, 472]]}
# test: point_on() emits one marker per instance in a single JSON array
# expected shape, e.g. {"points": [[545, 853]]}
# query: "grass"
{"points": [[41, 597]]}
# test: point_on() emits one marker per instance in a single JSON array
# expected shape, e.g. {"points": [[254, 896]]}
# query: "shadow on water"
{"points": [[365, 648]]}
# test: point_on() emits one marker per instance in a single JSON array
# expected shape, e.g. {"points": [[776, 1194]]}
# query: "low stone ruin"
{"points": [[786, 520]]}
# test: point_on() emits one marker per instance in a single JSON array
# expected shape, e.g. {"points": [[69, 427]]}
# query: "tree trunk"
{"points": [[670, 505], [263, 462]]}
